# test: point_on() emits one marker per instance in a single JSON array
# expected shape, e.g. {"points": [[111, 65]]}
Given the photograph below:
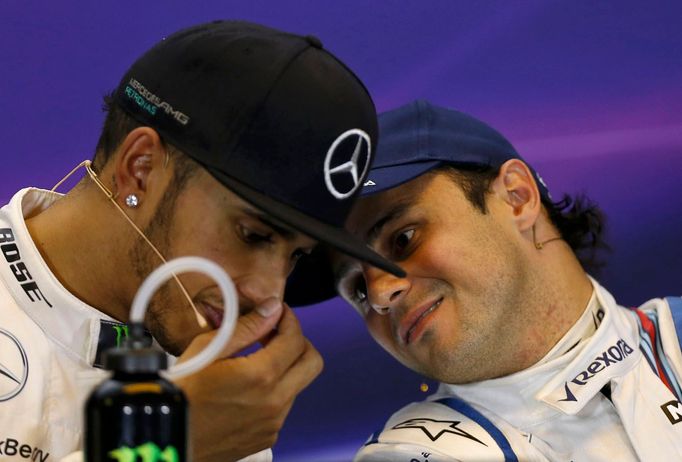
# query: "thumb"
{"points": [[250, 328], [254, 326]]}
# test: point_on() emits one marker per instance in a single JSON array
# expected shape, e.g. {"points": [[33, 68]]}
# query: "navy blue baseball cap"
{"points": [[414, 139], [420, 136]]}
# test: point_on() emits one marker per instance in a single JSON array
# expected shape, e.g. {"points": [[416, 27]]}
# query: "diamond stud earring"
{"points": [[132, 201]]}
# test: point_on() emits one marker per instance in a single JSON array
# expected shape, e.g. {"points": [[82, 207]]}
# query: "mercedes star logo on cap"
{"points": [[358, 160], [13, 366]]}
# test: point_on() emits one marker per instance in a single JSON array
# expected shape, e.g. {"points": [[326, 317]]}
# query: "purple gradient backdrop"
{"points": [[589, 92]]}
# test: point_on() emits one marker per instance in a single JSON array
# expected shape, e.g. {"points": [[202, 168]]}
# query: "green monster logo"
{"points": [[148, 452], [121, 333]]}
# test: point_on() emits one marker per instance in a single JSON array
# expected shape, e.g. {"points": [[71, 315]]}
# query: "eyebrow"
{"points": [[395, 212], [286, 233]]}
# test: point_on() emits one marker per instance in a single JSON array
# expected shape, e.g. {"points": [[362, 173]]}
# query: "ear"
{"points": [[139, 166], [516, 186]]}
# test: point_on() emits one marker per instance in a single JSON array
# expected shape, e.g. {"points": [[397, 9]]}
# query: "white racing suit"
{"points": [[613, 396], [50, 346]]}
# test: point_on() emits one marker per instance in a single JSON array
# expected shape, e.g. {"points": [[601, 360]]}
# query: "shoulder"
{"points": [[660, 331], [447, 429], [675, 306], [24, 356], [663, 317], [37, 391], [19, 325], [22, 378]]}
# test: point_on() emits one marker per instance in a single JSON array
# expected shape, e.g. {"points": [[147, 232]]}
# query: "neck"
{"points": [[85, 250], [558, 297]]}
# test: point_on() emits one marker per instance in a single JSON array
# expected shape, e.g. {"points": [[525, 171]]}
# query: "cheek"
{"points": [[213, 242], [200, 240], [438, 257], [462, 259]]}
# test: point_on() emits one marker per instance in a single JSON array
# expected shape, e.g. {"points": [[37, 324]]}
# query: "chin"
{"points": [[444, 370], [174, 347]]}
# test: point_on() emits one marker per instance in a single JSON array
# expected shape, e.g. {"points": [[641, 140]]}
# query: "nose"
{"points": [[384, 290], [260, 283], [255, 289]]}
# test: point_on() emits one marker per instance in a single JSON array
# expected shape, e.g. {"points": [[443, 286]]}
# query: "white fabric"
{"points": [[50, 337], [553, 411]]}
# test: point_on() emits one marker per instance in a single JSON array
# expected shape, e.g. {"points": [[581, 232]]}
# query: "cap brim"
{"points": [[337, 238], [383, 178], [312, 281]]}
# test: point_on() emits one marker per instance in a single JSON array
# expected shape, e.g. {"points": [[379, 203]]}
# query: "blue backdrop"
{"points": [[589, 92]]}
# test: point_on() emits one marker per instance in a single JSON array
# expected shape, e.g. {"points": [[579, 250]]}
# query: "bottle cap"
{"points": [[134, 356]]}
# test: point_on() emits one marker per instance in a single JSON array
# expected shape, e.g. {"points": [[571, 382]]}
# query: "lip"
{"points": [[410, 322], [213, 314]]}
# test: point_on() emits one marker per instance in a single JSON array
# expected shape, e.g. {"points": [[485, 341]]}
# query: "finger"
{"points": [[283, 348], [249, 329], [265, 340], [254, 326], [302, 372]]}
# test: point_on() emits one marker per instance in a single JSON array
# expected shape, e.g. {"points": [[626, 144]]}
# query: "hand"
{"points": [[238, 404]]}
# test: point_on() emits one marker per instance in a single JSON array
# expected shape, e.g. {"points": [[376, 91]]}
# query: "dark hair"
{"points": [[578, 219], [117, 125]]}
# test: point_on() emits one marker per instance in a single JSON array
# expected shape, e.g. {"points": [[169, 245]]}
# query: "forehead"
{"points": [[371, 209], [371, 213]]}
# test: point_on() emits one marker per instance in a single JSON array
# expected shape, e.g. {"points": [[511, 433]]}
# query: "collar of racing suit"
{"points": [[79, 328], [580, 332], [570, 374], [635, 353]]}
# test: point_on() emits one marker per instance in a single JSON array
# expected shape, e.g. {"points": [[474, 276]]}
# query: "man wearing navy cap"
{"points": [[536, 360], [227, 140]]}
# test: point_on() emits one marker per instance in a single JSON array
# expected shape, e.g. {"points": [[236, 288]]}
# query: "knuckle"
{"points": [[251, 373], [298, 342], [246, 327], [314, 357], [273, 408], [318, 362], [268, 379], [251, 322]]}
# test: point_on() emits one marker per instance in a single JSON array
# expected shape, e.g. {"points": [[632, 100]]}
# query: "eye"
{"points": [[300, 253], [250, 236], [402, 241], [360, 290]]}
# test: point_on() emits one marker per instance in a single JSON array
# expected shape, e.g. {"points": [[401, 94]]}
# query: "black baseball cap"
{"points": [[271, 115], [420, 136]]}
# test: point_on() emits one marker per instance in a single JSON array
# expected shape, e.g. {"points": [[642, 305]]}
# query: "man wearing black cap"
{"points": [[536, 360], [230, 141]]}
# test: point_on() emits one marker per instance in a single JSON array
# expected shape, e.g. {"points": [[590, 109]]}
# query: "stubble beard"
{"points": [[488, 353], [144, 260]]}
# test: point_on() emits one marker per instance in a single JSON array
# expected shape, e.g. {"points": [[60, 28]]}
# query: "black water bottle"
{"points": [[136, 415]]}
